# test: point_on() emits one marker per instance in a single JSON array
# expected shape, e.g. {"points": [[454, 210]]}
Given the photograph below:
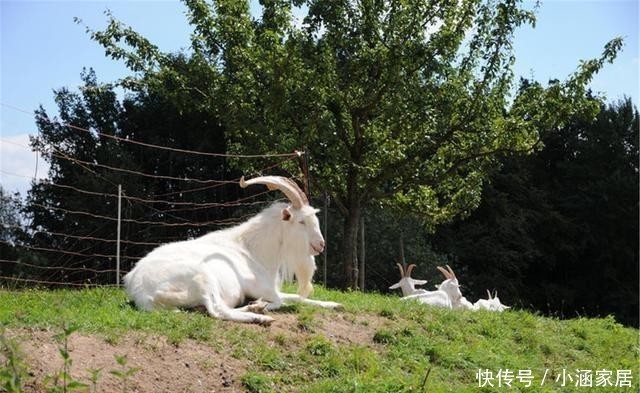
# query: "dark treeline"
{"points": [[557, 231]]}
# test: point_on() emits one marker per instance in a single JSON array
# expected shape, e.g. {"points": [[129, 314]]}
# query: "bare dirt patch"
{"points": [[190, 366]]}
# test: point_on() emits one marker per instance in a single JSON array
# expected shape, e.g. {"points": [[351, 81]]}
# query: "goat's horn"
{"points": [[401, 270], [489, 294], [447, 275], [287, 186], [453, 275], [495, 293], [409, 269]]}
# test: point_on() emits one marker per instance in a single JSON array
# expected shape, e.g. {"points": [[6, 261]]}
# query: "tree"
{"points": [[402, 105], [11, 229]]}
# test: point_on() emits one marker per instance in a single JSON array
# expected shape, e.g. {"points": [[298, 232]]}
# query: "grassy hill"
{"points": [[377, 344]]}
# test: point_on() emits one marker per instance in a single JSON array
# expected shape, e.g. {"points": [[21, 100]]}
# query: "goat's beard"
{"points": [[304, 276], [303, 270], [305, 289]]}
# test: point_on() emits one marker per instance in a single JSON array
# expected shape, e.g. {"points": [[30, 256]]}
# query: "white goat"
{"points": [[491, 304], [438, 298], [406, 283], [452, 287], [225, 268]]}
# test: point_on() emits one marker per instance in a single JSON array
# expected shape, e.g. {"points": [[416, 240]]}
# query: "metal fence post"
{"points": [[362, 252], [118, 236], [326, 249]]}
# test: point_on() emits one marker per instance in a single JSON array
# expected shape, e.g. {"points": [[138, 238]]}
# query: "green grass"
{"points": [[407, 341]]}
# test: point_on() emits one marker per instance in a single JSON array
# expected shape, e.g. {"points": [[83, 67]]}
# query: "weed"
{"points": [[306, 321], [271, 359], [12, 368], [95, 376], [257, 383], [383, 336], [125, 372], [281, 339], [62, 381], [319, 346]]}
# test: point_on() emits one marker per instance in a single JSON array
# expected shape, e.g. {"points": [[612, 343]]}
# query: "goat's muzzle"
{"points": [[317, 248]]}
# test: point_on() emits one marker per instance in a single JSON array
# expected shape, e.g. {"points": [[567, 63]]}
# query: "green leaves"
{"points": [[63, 381], [125, 372]]}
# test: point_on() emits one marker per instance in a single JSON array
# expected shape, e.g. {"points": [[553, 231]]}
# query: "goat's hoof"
{"points": [[335, 306], [258, 306], [264, 321]]}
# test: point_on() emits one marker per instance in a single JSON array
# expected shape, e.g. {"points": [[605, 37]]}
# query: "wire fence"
{"points": [[75, 255]]}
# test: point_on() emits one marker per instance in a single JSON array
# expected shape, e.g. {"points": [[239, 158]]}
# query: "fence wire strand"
{"points": [[88, 260]]}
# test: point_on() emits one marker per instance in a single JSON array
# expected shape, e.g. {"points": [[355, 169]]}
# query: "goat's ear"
{"points": [[286, 214], [419, 282], [395, 286]]}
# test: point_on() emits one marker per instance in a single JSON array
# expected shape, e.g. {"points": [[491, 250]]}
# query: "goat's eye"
{"points": [[301, 222]]}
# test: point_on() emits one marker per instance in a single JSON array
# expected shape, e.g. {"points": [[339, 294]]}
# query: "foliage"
{"points": [[10, 206], [11, 230]]}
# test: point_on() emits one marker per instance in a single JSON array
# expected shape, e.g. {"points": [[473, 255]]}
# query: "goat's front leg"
{"points": [[289, 298], [276, 299]]}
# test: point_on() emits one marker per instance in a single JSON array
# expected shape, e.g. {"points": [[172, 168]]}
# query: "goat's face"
{"points": [[303, 227], [496, 305], [452, 289], [408, 285]]}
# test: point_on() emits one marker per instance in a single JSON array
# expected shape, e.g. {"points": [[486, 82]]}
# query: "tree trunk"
{"points": [[361, 260], [348, 247]]}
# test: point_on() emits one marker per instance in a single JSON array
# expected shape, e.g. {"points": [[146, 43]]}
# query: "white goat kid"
{"points": [[406, 283], [491, 304], [225, 268], [452, 287]]}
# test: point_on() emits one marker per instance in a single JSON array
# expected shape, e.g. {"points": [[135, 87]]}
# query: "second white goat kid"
{"points": [[225, 268], [452, 287], [491, 304], [407, 284]]}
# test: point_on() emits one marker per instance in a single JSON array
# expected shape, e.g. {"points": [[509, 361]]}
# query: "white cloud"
{"points": [[18, 164]]}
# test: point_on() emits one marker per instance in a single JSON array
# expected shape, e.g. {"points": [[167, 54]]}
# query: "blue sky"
{"points": [[42, 49]]}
